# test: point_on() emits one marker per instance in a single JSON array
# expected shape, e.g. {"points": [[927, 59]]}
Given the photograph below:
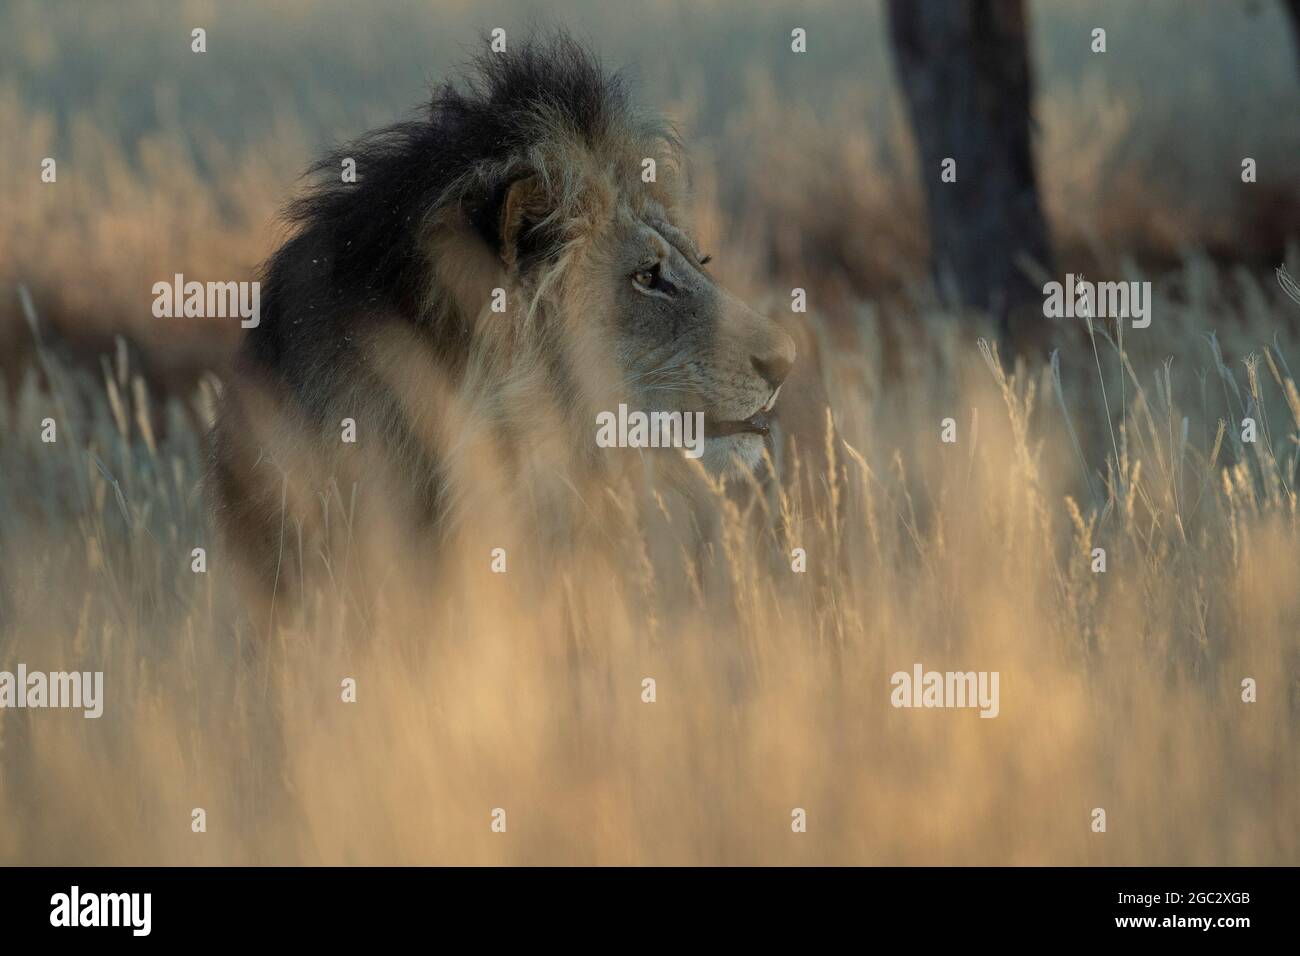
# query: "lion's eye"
{"points": [[647, 278], [705, 260]]}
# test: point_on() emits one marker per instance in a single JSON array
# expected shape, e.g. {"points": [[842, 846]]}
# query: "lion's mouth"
{"points": [[755, 424]]}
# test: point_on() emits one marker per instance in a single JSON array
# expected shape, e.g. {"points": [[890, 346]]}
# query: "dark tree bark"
{"points": [[1293, 11], [966, 77]]}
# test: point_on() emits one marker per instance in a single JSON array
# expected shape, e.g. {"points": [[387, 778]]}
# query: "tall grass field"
{"points": [[1163, 689]]}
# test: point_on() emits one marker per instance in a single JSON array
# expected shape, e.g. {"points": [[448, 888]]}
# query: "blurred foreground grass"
{"points": [[522, 691]]}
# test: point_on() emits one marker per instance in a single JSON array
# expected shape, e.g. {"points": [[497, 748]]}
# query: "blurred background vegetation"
{"points": [[804, 169]]}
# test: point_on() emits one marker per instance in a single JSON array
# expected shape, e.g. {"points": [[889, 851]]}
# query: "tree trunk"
{"points": [[965, 73], [1293, 13]]}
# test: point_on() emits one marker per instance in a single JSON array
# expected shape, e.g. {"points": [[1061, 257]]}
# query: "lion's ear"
{"points": [[525, 236]]}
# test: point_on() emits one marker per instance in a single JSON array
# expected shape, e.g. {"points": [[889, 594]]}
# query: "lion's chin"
{"points": [[733, 454]]}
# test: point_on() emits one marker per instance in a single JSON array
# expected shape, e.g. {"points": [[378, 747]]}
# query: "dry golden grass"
{"points": [[523, 691]]}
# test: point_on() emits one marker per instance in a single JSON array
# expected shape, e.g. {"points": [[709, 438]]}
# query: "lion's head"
{"points": [[577, 213]]}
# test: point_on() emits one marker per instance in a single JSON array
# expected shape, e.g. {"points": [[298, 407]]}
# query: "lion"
{"points": [[501, 272]]}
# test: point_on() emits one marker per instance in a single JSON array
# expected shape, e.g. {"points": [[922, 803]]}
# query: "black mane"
{"points": [[356, 251]]}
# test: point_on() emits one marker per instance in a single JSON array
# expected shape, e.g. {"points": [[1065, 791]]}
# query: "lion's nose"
{"points": [[774, 368]]}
